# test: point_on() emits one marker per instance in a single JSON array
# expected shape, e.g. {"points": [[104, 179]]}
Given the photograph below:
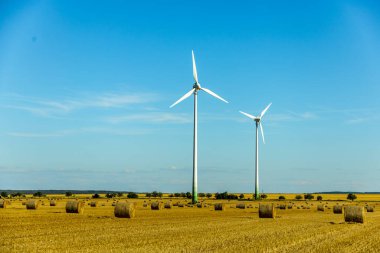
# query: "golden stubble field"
{"points": [[187, 229]]}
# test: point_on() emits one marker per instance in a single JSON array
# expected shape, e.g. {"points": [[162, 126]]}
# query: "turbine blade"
{"points": [[184, 97], [248, 115], [195, 74], [214, 95], [265, 110], [262, 132]]}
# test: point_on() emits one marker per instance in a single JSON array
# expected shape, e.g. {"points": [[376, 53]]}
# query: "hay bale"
{"points": [[103, 204], [94, 204], [200, 205], [220, 207], [156, 206], [145, 205], [240, 206], [181, 205], [338, 209], [32, 204], [283, 207], [370, 209], [267, 211], [124, 210], [354, 214], [290, 206], [321, 208], [53, 203], [4, 203], [168, 205], [175, 204], [75, 207]]}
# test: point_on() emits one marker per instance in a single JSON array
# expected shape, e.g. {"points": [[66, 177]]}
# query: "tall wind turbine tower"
{"points": [[258, 123], [196, 87]]}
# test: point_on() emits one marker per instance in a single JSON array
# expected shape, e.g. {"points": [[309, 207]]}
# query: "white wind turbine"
{"points": [[258, 123], [194, 90]]}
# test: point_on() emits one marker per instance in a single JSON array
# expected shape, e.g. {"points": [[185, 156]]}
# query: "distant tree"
{"points": [[225, 195], [4, 194], [68, 194], [132, 195], [183, 195], [241, 196], [201, 195], [308, 196], [119, 194], [188, 195], [160, 194], [298, 197], [319, 198], [281, 197], [171, 195], [148, 195], [208, 195], [351, 196], [263, 196], [38, 194], [154, 194], [95, 196], [16, 194], [111, 195], [177, 194]]}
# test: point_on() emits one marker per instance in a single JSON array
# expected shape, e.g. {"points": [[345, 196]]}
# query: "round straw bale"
{"points": [[124, 210], [240, 205], [181, 205], [220, 207], [94, 203], [168, 205], [4, 203], [338, 209], [200, 205], [283, 207], [175, 204], [370, 209], [267, 211], [321, 208], [290, 206], [156, 205], [75, 207], [32, 204], [114, 204], [53, 203], [145, 205], [354, 214]]}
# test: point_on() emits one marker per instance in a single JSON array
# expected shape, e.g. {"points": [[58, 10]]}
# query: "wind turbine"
{"points": [[258, 123], [196, 87]]}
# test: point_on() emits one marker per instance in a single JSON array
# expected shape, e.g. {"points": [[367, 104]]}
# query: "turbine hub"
{"points": [[197, 86]]}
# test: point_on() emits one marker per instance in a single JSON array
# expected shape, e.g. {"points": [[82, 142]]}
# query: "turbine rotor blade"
{"points": [[262, 132], [265, 110], [214, 95], [248, 115], [184, 97], [195, 74]]}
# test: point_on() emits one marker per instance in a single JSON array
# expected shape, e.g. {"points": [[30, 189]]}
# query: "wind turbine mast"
{"points": [[196, 87]]}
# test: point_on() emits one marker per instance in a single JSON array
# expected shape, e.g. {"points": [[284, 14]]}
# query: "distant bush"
{"points": [[68, 194], [281, 197], [95, 196], [298, 197], [17, 194], [225, 195], [241, 196], [4, 194], [208, 195], [188, 195], [177, 194], [263, 196], [132, 195], [202, 195], [38, 194], [308, 196], [119, 194], [319, 198], [111, 195], [351, 196], [148, 195]]}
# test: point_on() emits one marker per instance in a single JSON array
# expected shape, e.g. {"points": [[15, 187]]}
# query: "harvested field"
{"points": [[237, 230]]}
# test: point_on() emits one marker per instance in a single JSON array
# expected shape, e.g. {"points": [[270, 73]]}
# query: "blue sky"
{"points": [[85, 90]]}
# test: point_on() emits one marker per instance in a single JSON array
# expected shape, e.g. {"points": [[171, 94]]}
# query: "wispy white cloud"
{"points": [[152, 117], [48, 107], [292, 116]]}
